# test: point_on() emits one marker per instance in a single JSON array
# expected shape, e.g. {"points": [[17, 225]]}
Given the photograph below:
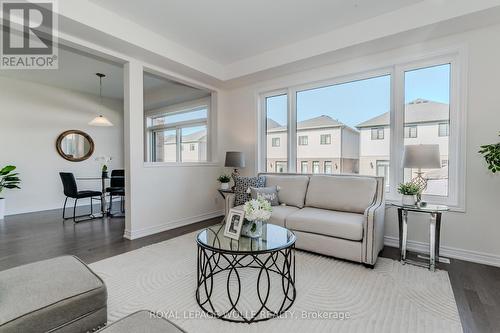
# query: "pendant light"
{"points": [[100, 120]]}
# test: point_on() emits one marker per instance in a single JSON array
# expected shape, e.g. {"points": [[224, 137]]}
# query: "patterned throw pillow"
{"points": [[267, 193], [241, 185]]}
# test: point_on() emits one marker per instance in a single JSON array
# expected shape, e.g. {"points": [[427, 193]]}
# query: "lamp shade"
{"points": [[235, 159], [422, 157], [100, 121]]}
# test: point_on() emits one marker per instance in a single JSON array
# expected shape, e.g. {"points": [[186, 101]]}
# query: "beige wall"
{"points": [[32, 116], [475, 232]]}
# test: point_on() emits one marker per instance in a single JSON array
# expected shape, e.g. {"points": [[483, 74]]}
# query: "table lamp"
{"points": [[421, 157], [235, 159]]}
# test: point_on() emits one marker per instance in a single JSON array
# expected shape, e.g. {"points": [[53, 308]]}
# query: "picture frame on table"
{"points": [[234, 222]]}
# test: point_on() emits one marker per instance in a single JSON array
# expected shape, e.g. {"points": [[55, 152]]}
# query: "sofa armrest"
{"points": [[373, 240], [229, 202]]}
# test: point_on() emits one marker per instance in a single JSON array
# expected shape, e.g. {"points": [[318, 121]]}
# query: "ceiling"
{"points": [[77, 72], [227, 31]]}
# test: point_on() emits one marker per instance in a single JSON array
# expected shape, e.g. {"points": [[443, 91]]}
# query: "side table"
{"points": [[435, 212], [224, 194]]}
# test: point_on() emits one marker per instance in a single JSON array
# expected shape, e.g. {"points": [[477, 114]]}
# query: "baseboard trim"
{"points": [[451, 252], [170, 225]]}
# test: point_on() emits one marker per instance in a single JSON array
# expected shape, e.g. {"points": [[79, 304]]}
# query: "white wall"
{"points": [[473, 234], [31, 118], [162, 196]]}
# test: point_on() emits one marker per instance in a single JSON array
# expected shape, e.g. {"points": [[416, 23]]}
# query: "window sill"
{"points": [[179, 165]]}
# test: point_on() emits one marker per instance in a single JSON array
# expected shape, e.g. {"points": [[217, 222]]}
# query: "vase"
{"points": [[408, 200], [2, 208], [224, 186], [252, 229]]}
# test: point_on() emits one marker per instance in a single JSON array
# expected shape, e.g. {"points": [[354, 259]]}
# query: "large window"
{"points": [[338, 118], [427, 103], [179, 136], [362, 125], [276, 133]]}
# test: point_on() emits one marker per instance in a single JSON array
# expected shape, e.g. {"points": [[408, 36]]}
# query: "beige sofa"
{"points": [[336, 215]]}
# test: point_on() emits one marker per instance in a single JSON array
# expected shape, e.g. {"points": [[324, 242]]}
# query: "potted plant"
{"points": [[409, 191], [491, 154], [9, 180], [224, 182], [257, 211]]}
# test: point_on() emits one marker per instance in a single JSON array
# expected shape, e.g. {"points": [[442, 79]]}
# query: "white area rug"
{"points": [[390, 298]]}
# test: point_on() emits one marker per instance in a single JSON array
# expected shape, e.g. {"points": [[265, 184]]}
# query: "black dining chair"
{"points": [[71, 191], [117, 188]]}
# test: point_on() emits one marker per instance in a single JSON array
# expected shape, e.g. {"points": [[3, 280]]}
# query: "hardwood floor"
{"points": [[31, 237]]}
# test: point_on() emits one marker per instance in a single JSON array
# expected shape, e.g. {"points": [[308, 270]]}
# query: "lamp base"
{"points": [[235, 174]]}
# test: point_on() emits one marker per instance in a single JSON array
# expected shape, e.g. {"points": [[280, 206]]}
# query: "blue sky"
{"points": [[358, 101]]}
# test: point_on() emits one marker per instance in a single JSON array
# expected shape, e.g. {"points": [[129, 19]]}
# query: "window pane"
{"points": [[303, 167], [180, 116], [427, 107], [338, 120], [276, 133], [316, 167], [194, 144], [165, 146]]}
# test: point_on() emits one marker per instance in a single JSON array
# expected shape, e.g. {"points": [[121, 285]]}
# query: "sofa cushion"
{"points": [[280, 213], [343, 193], [269, 193], [327, 222], [292, 189], [242, 186], [41, 296], [142, 321]]}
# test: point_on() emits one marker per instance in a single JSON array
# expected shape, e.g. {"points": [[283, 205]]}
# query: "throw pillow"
{"points": [[267, 193], [241, 185]]}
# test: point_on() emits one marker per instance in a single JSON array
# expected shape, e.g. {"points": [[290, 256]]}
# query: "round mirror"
{"points": [[75, 145]]}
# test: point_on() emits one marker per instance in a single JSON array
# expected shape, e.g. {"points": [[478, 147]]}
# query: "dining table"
{"points": [[103, 179]]}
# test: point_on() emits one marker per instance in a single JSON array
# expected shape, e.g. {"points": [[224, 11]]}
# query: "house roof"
{"points": [[416, 111], [317, 122]]}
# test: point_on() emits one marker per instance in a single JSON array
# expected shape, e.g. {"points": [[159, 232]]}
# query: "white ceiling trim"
{"points": [[101, 19], [408, 18], [412, 17]]}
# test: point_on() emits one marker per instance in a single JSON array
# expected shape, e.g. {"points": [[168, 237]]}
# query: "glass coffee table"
{"points": [[246, 280]]}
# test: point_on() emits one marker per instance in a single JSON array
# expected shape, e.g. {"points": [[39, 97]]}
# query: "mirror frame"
{"points": [[74, 159]]}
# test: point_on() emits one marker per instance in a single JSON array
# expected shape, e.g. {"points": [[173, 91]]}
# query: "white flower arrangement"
{"points": [[257, 210]]}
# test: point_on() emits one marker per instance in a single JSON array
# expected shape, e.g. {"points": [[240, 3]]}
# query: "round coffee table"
{"points": [[223, 274]]}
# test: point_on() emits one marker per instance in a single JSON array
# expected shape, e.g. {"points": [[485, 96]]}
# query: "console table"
{"points": [[435, 212]]}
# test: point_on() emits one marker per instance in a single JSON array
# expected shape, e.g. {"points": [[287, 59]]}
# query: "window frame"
{"points": [[327, 142], [377, 130], [456, 57], [305, 140], [150, 131], [447, 130], [409, 127], [273, 140]]}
